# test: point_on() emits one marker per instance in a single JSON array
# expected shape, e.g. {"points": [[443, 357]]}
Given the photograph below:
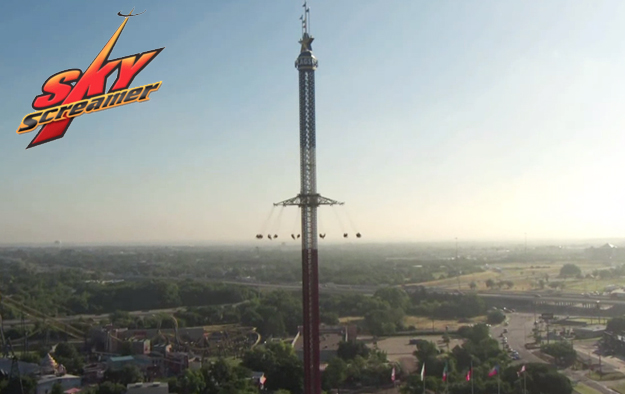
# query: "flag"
{"points": [[521, 371], [445, 373], [493, 371], [469, 374], [423, 372], [393, 375]]}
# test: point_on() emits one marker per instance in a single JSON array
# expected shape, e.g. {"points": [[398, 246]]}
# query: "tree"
{"points": [[351, 349], [65, 350], [476, 333], [335, 373], [66, 354], [490, 283], [473, 285], [426, 351], [563, 352], [616, 325], [127, 375], [495, 317], [191, 382], [283, 369], [220, 377], [536, 334], [541, 378], [329, 318], [57, 388], [569, 269], [383, 321], [446, 340], [395, 296]]}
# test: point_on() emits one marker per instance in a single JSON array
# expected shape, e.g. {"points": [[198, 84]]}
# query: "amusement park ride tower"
{"points": [[308, 200]]}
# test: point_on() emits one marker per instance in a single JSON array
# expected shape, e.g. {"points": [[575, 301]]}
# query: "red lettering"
{"points": [[131, 66], [57, 88]]}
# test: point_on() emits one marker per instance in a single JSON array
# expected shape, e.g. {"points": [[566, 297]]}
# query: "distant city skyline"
{"points": [[480, 120]]}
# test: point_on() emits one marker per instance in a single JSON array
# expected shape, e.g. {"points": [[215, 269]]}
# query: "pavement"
{"points": [[398, 349]]}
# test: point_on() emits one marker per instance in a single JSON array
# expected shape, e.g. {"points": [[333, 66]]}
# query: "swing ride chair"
{"points": [[302, 200]]}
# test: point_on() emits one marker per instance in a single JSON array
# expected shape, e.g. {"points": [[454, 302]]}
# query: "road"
{"points": [[519, 327], [370, 290]]}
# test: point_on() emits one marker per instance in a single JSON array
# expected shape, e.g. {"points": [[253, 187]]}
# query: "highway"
{"points": [[566, 298]]}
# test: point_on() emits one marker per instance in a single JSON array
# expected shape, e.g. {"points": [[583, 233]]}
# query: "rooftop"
{"points": [[144, 386], [52, 378], [121, 358], [597, 327], [326, 342]]}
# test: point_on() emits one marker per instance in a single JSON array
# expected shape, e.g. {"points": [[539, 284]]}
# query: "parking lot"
{"points": [[399, 348]]}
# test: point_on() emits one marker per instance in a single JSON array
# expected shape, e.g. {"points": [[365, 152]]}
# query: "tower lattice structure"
{"points": [[308, 200]]}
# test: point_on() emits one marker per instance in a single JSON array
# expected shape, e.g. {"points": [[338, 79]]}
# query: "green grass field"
{"points": [[618, 388], [526, 278], [581, 388], [606, 377]]}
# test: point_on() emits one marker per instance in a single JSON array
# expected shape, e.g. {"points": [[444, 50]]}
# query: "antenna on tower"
{"points": [[305, 18], [306, 38]]}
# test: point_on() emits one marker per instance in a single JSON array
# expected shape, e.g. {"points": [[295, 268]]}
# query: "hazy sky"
{"points": [[435, 119]]}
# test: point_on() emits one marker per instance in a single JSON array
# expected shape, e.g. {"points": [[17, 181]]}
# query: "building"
{"points": [[329, 339], [604, 253], [140, 346], [328, 346], [162, 348], [259, 379], [45, 383], [24, 368], [148, 388], [93, 373], [118, 363]]}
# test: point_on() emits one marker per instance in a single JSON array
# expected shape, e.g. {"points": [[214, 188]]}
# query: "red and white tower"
{"points": [[308, 200]]}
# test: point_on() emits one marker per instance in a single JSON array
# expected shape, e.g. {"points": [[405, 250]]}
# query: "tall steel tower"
{"points": [[308, 200]]}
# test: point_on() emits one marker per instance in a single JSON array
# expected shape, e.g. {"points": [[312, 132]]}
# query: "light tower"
{"points": [[308, 200]]}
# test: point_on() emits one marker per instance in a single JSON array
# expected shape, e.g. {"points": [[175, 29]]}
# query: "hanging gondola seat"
{"points": [[269, 236], [358, 235], [259, 236], [345, 235], [293, 236], [275, 236], [322, 236]]}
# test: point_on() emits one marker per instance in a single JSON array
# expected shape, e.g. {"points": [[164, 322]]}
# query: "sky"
{"points": [[474, 120]]}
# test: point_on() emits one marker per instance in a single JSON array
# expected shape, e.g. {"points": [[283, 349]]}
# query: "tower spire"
{"points": [[305, 18], [307, 39]]}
